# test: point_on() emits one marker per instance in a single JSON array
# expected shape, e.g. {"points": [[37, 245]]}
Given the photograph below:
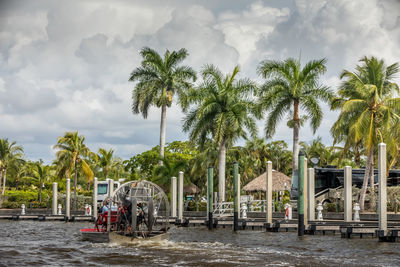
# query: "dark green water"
{"points": [[28, 243]]}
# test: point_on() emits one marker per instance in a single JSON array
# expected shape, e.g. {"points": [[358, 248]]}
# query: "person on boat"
{"points": [[104, 209], [140, 213]]}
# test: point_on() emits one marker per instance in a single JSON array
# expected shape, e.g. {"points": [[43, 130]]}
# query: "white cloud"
{"points": [[66, 67], [244, 29]]}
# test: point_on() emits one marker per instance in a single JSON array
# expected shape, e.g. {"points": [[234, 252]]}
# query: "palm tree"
{"points": [[9, 152], [163, 173], [18, 170], [105, 160], [256, 150], [158, 80], [223, 112], [289, 88], [41, 173], [71, 155], [368, 109], [280, 156]]}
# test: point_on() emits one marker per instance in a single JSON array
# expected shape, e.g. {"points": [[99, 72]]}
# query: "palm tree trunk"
{"points": [[221, 171], [40, 190], [295, 163], [4, 181], [75, 185], [162, 132], [16, 182], [372, 202], [366, 176]]}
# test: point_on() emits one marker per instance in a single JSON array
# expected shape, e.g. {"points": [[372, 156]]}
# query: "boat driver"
{"points": [[104, 209]]}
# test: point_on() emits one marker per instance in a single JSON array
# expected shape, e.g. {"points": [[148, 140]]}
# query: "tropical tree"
{"points": [[289, 88], [369, 110], [280, 156], [42, 174], [71, 155], [222, 111], [170, 168], [257, 152], [158, 80], [18, 169], [10, 153], [106, 160]]}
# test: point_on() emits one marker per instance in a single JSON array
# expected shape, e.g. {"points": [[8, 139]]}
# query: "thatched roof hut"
{"points": [[191, 189], [260, 184]]}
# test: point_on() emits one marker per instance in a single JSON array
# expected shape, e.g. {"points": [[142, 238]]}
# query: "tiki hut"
{"points": [[278, 182], [191, 189]]}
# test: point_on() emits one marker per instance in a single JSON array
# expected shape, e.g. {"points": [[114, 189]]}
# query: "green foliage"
{"points": [[330, 207], [19, 196], [194, 205], [144, 165], [14, 199]]}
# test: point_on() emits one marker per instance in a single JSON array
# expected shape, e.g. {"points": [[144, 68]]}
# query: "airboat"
{"points": [[137, 210]]}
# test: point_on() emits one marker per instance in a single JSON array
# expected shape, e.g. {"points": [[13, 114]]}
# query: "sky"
{"points": [[65, 65]]}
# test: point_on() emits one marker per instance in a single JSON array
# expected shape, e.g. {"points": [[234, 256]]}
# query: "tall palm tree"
{"points": [[105, 160], [158, 80], [9, 152], [368, 108], [222, 111], [288, 88], [71, 155]]}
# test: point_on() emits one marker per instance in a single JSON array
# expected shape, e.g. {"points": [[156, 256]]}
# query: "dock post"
{"points": [[180, 197], [268, 194], [238, 195], [54, 206], [305, 192], [134, 214], [311, 194], [235, 196], [382, 180], [68, 199], [95, 198], [173, 197], [348, 199], [110, 187], [300, 205], [210, 197]]}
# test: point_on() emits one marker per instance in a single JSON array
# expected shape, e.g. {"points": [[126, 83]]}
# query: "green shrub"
{"points": [[20, 196], [330, 207], [11, 205], [192, 206]]}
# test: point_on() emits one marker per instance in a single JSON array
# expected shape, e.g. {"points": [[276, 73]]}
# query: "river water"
{"points": [[30, 243]]}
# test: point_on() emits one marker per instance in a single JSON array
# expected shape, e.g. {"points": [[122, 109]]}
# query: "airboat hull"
{"points": [[92, 235], [121, 239], [95, 236]]}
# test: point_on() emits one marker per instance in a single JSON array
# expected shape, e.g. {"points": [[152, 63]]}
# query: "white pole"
{"points": [[68, 199], [238, 195], [173, 197], [180, 198], [95, 198], [110, 187], [348, 199], [54, 211], [382, 208], [311, 194], [268, 195], [305, 188]]}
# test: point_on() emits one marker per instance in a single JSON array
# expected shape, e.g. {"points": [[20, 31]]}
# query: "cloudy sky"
{"points": [[64, 65]]}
